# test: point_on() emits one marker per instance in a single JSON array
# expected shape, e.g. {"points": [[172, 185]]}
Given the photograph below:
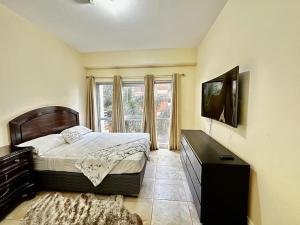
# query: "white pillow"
{"points": [[74, 134], [43, 144]]}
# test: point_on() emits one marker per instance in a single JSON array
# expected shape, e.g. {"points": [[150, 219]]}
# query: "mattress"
{"points": [[64, 157]]}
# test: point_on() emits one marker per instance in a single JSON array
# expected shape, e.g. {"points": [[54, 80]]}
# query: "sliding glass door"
{"points": [[104, 92], [133, 103], [163, 98]]}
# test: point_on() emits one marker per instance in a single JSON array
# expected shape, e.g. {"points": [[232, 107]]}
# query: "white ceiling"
{"points": [[122, 24]]}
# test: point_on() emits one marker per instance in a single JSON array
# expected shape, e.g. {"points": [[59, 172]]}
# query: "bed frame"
{"points": [[53, 120]]}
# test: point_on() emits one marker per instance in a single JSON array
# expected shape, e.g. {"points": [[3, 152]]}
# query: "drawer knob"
{"points": [[5, 193], [17, 160], [24, 195]]}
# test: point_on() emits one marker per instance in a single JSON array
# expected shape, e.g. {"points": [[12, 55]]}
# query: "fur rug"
{"points": [[84, 209]]}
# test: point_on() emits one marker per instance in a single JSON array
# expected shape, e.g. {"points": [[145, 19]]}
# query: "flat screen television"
{"points": [[220, 98]]}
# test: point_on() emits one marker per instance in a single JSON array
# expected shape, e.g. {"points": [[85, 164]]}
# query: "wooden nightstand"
{"points": [[16, 177]]}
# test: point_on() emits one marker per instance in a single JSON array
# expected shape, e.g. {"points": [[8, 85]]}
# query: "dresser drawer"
{"points": [[16, 177], [14, 174], [15, 160], [196, 201], [194, 161], [194, 179], [183, 154], [14, 185], [25, 190], [184, 143]]}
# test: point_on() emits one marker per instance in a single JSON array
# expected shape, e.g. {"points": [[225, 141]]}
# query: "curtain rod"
{"points": [[142, 66], [136, 77]]}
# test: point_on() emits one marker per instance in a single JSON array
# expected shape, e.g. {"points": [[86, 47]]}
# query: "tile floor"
{"points": [[165, 198]]}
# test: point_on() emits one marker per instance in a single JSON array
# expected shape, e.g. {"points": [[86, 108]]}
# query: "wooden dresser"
{"points": [[218, 179], [16, 178]]}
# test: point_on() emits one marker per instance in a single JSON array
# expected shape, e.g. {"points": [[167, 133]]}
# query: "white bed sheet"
{"points": [[64, 157]]}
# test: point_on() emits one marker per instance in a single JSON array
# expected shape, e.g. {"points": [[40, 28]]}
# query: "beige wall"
{"points": [[151, 57], [36, 70], [263, 37], [140, 57]]}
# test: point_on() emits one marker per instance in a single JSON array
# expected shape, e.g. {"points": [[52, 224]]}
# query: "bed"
{"points": [[54, 172]]}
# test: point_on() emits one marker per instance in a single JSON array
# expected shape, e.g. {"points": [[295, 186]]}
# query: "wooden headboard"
{"points": [[41, 122]]}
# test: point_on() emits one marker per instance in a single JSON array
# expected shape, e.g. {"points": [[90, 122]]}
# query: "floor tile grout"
{"points": [[168, 200]]}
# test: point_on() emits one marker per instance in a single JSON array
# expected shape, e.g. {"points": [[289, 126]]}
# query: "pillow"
{"points": [[74, 134], [44, 144]]}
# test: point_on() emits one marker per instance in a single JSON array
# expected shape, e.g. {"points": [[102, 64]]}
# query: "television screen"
{"points": [[220, 98]]}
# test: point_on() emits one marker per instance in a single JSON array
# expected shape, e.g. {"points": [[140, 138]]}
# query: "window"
{"points": [[104, 106], [133, 103], [163, 97]]}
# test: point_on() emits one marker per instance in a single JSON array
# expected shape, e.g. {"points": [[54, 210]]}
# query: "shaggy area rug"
{"points": [[84, 209]]}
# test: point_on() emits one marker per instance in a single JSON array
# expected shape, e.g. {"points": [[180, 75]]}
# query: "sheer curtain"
{"points": [[149, 123], [175, 126], [118, 124], [90, 104]]}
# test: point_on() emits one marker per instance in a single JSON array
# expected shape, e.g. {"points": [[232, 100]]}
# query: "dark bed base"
{"points": [[123, 184], [53, 120]]}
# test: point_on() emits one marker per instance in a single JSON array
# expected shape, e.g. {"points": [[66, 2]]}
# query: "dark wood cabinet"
{"points": [[218, 179], [16, 178]]}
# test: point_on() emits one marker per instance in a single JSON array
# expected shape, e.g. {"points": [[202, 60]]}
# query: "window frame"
{"points": [[163, 145], [98, 101], [132, 84]]}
